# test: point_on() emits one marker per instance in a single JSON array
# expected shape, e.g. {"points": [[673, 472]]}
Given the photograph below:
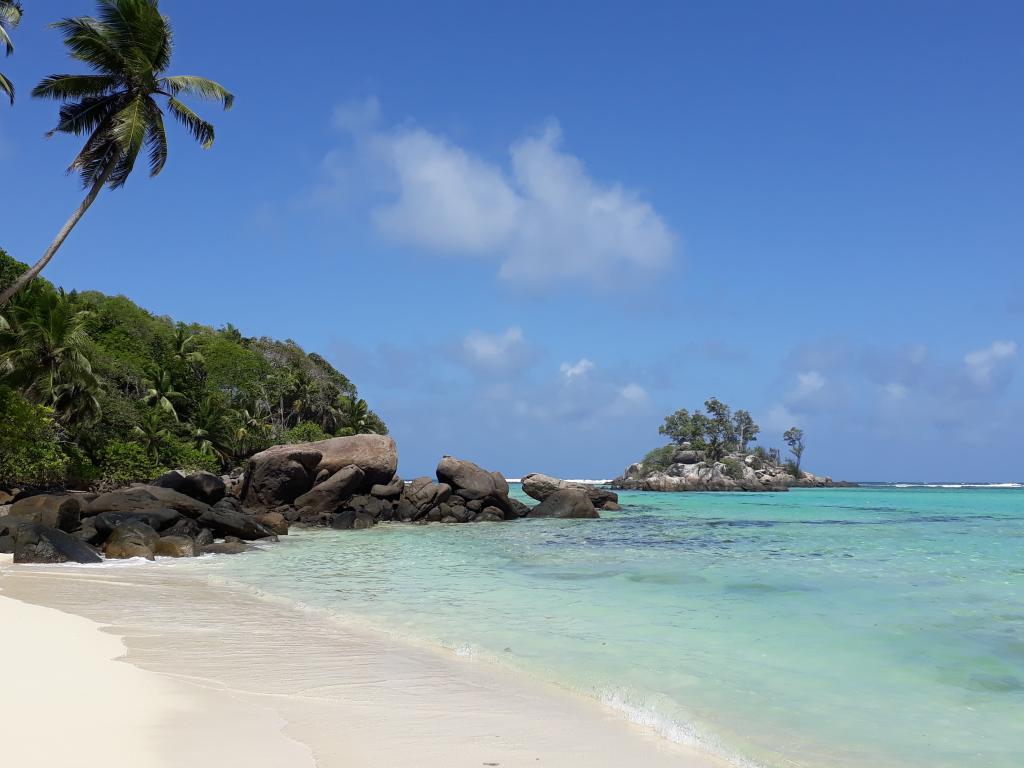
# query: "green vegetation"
{"points": [[794, 438], [127, 48], [10, 17], [659, 459], [95, 390], [720, 434]]}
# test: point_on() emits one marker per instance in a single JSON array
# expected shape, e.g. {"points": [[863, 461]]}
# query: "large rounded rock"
{"points": [[329, 495], [390, 491], [172, 480], [539, 487], [141, 498], [227, 522], [279, 475], [175, 546], [375, 455], [470, 480], [132, 539], [38, 544], [565, 503], [203, 486], [158, 519], [225, 548], [62, 511], [274, 521]]}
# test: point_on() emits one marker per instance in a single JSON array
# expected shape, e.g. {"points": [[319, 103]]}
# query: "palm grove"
{"points": [[716, 432], [94, 389]]}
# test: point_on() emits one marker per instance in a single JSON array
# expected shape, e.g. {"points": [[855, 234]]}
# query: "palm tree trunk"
{"points": [[26, 277]]}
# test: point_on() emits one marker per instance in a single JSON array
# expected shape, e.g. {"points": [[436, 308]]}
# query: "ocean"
{"points": [[879, 626]]}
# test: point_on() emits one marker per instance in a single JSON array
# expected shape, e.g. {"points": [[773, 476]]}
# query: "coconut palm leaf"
{"points": [[128, 47]]}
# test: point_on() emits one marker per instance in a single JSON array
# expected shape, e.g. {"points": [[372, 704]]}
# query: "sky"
{"points": [[528, 231]]}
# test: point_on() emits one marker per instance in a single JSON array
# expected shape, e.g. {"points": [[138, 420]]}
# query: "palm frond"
{"points": [[201, 130], [90, 42], [7, 86], [156, 138], [198, 86], [67, 87]]}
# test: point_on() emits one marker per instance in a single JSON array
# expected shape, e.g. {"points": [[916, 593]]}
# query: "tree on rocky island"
{"points": [[128, 48], [746, 429], [794, 437]]}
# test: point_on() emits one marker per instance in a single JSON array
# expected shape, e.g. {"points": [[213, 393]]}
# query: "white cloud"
{"points": [[494, 352], [581, 367], [544, 219], [633, 393], [807, 384], [895, 390], [990, 368]]}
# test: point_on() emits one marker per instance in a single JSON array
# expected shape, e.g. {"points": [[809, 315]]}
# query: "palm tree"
{"points": [[128, 47], [210, 431], [150, 432], [43, 343], [355, 414], [10, 17], [161, 392], [184, 352]]}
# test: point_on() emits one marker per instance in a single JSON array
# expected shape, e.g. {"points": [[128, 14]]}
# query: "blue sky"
{"points": [[530, 230]]}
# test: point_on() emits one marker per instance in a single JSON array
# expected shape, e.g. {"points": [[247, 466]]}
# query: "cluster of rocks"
{"points": [[350, 482], [690, 471], [341, 483], [178, 515]]}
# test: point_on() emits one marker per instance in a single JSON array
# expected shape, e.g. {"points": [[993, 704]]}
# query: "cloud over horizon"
{"points": [[541, 216]]}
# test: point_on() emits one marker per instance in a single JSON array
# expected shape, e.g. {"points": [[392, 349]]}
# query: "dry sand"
{"points": [[225, 679]]}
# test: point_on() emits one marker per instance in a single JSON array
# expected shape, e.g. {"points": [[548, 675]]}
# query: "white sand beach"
{"points": [[217, 677]]}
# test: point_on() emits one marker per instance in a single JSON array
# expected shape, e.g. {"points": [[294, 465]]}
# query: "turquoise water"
{"points": [[828, 628]]}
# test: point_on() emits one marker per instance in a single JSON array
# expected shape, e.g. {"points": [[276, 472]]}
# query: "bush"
{"points": [[122, 462], [791, 467], [30, 448], [305, 432], [733, 468], [659, 459], [179, 454]]}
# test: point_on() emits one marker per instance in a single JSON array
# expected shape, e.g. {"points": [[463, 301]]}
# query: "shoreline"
{"points": [[326, 693]]}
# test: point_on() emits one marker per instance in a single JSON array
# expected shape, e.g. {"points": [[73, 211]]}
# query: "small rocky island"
{"points": [[711, 451], [342, 483]]}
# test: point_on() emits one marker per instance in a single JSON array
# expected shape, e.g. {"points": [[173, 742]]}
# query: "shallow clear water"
{"points": [[827, 628]]}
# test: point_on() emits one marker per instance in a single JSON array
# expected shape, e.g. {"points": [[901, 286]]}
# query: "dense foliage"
{"points": [[96, 390], [718, 431]]}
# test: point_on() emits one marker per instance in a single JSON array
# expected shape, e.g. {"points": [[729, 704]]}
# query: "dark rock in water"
{"points": [[131, 539], [489, 515], [470, 480], [204, 537], [368, 505], [62, 511], [184, 527], [203, 486], [88, 533], [566, 503], [329, 495], [175, 546], [462, 514], [406, 511], [225, 548], [539, 487], [172, 480], [226, 522], [279, 475], [476, 505], [6, 545], [433, 516], [38, 544], [291, 514], [611, 506], [141, 498], [518, 509], [157, 519], [352, 520], [389, 491], [273, 521]]}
